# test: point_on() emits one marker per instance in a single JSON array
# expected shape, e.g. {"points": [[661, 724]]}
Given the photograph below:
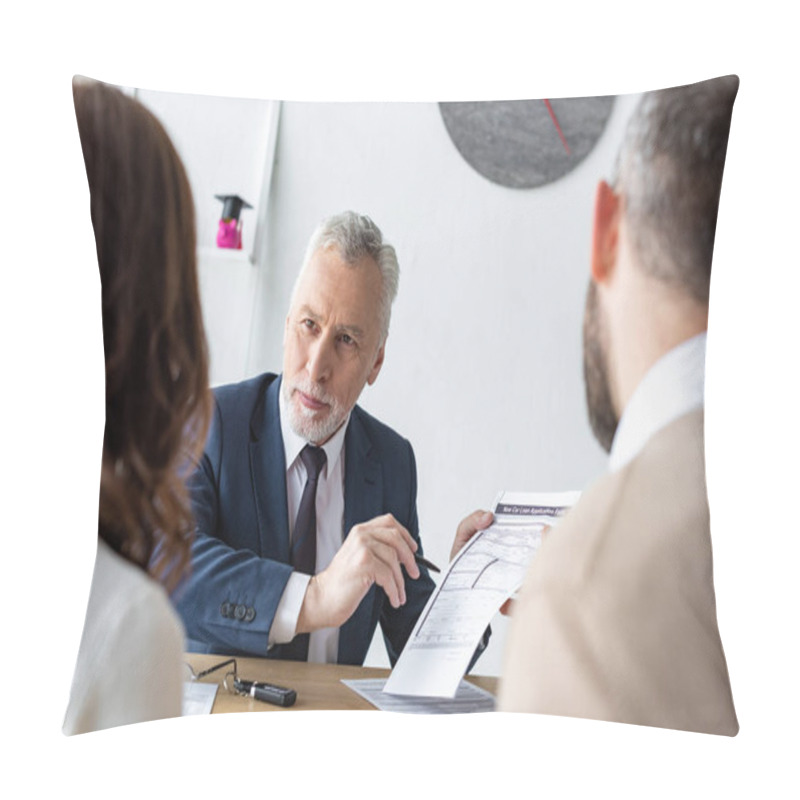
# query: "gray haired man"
{"points": [[305, 504]]}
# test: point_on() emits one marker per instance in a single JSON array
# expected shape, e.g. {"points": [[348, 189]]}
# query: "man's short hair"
{"points": [[356, 236], [669, 171]]}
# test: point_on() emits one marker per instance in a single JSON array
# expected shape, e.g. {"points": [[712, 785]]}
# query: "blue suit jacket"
{"points": [[240, 556]]}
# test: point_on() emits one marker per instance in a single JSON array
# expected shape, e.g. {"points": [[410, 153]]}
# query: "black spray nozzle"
{"points": [[232, 205]]}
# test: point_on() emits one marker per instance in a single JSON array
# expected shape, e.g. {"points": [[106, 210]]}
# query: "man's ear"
{"points": [[605, 232], [376, 367]]}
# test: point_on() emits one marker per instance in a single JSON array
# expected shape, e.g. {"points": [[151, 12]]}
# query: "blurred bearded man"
{"points": [[617, 617]]}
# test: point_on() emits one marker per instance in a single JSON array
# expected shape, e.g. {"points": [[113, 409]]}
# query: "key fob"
{"points": [[266, 692]]}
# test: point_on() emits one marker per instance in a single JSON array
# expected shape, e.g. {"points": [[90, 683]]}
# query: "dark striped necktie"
{"points": [[304, 539]]}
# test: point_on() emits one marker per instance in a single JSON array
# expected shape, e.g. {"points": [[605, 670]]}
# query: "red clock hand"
{"points": [[558, 127]]}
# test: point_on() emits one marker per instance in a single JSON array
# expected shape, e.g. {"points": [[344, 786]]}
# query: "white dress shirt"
{"points": [[323, 644], [672, 387]]}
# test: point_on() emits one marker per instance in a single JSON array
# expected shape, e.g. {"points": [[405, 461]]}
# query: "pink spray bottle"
{"points": [[229, 232]]}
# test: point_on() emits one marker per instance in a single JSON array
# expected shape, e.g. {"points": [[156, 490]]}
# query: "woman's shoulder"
{"points": [[130, 597], [133, 639]]}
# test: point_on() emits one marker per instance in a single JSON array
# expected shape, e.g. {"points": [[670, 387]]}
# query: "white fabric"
{"points": [[323, 644], [672, 387], [130, 660]]}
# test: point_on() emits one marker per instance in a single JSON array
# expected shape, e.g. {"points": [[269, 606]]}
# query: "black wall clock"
{"points": [[526, 143]]}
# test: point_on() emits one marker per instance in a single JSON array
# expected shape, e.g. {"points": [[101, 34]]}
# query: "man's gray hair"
{"points": [[355, 236], [669, 171]]}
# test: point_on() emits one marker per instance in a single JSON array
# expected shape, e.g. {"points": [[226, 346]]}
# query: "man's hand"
{"points": [[373, 552], [507, 607], [468, 527]]}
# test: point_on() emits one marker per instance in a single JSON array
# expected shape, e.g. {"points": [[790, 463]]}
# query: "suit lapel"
{"points": [[268, 471], [363, 500], [363, 494]]}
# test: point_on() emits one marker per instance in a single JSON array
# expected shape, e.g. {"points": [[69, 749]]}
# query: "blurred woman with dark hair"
{"points": [[129, 666]]}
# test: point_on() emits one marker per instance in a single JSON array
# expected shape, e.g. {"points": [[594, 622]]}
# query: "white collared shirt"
{"points": [[672, 387], [323, 644]]}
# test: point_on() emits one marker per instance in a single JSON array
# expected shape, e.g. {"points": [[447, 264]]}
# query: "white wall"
{"points": [[483, 372], [222, 142]]}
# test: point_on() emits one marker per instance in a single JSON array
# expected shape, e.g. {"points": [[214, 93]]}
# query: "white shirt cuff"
{"points": [[284, 624]]}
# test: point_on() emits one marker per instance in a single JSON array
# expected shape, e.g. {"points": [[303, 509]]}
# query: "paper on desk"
{"points": [[198, 698], [482, 576], [468, 699]]}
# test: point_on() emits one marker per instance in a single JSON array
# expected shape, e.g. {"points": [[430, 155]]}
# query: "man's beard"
{"points": [[302, 420], [602, 415]]}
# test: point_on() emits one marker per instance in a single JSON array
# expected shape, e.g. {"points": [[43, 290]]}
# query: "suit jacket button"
{"points": [[225, 609], [250, 615], [239, 612]]}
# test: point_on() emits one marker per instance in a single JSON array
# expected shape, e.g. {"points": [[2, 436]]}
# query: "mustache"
{"points": [[314, 392]]}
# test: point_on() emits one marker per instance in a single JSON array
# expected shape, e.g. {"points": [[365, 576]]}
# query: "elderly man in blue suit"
{"points": [[292, 452]]}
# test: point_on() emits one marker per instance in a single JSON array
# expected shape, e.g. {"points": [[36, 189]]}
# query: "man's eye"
{"points": [[308, 323], [347, 339]]}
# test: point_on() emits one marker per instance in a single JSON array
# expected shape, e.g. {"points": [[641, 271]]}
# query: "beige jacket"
{"points": [[617, 617]]}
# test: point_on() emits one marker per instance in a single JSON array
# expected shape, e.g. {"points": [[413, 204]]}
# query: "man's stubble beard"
{"points": [[303, 423], [602, 416]]}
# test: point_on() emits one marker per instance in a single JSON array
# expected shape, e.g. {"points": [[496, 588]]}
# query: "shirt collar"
{"points": [[672, 387], [293, 444]]}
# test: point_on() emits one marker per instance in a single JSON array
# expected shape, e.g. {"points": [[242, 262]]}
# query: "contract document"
{"points": [[487, 570], [468, 699]]}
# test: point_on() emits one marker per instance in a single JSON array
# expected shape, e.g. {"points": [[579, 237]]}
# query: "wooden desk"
{"points": [[318, 686]]}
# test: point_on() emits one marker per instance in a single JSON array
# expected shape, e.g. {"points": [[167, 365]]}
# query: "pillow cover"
{"points": [[502, 214]]}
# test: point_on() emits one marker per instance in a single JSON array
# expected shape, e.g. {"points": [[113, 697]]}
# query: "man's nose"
{"points": [[320, 357]]}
